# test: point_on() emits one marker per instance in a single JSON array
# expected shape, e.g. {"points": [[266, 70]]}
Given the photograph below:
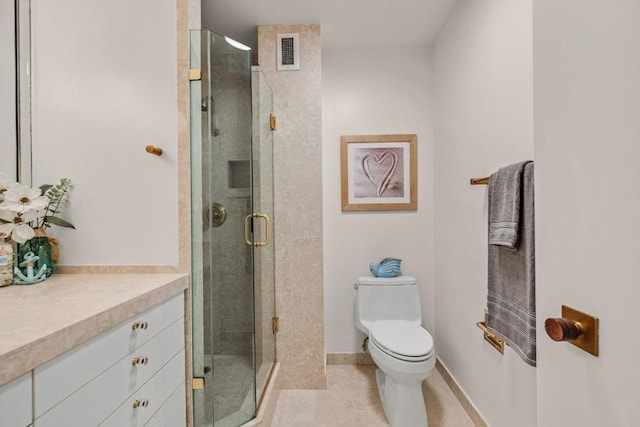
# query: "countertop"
{"points": [[39, 322]]}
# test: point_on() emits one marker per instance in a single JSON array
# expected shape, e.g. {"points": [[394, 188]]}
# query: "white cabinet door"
{"points": [[144, 403], [173, 413], [92, 403], [15, 402]]}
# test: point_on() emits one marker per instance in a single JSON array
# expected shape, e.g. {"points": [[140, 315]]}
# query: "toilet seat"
{"points": [[402, 340]]}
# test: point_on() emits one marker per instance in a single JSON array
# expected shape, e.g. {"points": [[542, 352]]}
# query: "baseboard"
{"points": [[468, 406]]}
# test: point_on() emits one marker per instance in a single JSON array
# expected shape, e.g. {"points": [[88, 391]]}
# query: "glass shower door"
{"points": [[233, 286], [264, 254], [222, 273]]}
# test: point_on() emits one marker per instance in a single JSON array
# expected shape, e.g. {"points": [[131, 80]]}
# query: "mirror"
{"points": [[8, 131], [15, 87]]}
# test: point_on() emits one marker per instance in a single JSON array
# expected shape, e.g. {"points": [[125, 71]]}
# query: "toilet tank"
{"points": [[382, 298]]}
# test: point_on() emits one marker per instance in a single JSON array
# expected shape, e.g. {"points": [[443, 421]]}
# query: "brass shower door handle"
{"points": [[247, 228]]}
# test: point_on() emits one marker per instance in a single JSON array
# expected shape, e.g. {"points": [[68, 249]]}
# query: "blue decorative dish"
{"points": [[388, 267]]}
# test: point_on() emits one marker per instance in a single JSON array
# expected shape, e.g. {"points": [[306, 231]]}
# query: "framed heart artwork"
{"points": [[379, 172]]}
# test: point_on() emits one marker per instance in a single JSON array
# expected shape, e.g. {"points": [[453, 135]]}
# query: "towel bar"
{"points": [[492, 339]]}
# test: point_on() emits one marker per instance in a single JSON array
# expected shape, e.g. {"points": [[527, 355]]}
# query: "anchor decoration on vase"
{"points": [[30, 278]]}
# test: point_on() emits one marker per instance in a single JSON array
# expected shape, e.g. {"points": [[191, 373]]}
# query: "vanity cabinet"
{"points": [[15, 402], [121, 378]]}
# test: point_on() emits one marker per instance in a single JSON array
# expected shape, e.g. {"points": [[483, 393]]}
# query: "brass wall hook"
{"points": [[152, 149]]}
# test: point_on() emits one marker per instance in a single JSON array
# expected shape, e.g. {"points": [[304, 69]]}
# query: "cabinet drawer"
{"points": [[15, 402], [147, 401], [93, 402], [62, 376], [173, 413]]}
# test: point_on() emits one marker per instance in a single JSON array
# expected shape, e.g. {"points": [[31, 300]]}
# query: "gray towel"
{"points": [[511, 299], [504, 199]]}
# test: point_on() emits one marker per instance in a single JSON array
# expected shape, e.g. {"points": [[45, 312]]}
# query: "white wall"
{"points": [[104, 86], [483, 87], [369, 92], [587, 146]]}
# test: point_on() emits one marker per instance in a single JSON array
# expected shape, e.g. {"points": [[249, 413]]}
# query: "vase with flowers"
{"points": [[25, 215], [6, 262]]}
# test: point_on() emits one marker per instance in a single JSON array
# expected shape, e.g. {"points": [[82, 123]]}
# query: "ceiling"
{"points": [[346, 24]]}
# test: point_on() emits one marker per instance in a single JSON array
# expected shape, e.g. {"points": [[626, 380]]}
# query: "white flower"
{"points": [[22, 199], [17, 230], [7, 216]]}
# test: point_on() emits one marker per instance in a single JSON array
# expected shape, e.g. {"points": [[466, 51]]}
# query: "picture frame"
{"points": [[379, 172]]}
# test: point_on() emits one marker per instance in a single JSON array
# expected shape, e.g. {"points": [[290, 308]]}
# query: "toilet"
{"points": [[388, 311]]}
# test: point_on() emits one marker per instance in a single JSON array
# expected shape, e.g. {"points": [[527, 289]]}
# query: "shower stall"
{"points": [[233, 289]]}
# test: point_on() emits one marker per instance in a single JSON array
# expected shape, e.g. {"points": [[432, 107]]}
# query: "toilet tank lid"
{"points": [[382, 281]]}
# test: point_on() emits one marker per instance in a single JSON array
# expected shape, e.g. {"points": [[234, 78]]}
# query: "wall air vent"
{"points": [[288, 50]]}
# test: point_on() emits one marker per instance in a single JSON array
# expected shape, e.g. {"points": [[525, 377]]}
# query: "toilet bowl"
{"points": [[389, 312], [401, 370]]}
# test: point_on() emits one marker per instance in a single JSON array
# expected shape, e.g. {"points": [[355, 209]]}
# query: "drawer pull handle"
{"points": [[140, 404], [139, 360], [139, 325]]}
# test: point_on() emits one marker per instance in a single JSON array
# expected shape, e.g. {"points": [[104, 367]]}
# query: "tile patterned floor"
{"points": [[351, 400]]}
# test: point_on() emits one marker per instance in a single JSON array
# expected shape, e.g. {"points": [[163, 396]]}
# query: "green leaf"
{"points": [[58, 221], [44, 188], [4, 221]]}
